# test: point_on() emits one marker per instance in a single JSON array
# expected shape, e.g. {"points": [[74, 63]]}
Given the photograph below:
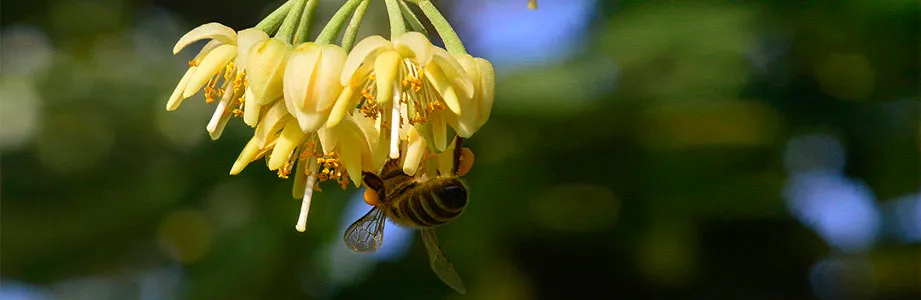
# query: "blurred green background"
{"points": [[637, 150]]}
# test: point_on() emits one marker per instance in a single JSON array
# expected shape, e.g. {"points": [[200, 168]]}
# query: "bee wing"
{"points": [[366, 234], [440, 263]]}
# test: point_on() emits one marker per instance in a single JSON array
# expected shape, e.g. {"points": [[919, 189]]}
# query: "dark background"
{"points": [[668, 150]]}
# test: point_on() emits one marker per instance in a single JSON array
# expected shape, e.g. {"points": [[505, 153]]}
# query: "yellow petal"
{"points": [[385, 68], [207, 49], [274, 121], [265, 68], [343, 104], [352, 147], [350, 157], [487, 90], [251, 108], [444, 87], [453, 70], [211, 64], [329, 139], [414, 45], [466, 123], [221, 114], [414, 152], [446, 159], [245, 40], [300, 178], [439, 131], [290, 138], [327, 85], [364, 53], [246, 156], [299, 74], [212, 30], [176, 98]]}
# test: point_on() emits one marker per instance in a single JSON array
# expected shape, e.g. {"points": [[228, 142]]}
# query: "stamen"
{"points": [[308, 194]]}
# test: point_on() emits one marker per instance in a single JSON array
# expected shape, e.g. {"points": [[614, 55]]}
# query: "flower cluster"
{"points": [[325, 111]]}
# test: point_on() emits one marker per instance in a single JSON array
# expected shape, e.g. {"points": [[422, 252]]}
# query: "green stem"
{"points": [[397, 24], [413, 20], [303, 26], [286, 32], [273, 20], [329, 33], [450, 38], [351, 32]]}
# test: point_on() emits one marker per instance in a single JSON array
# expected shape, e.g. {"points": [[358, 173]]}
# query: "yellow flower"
{"points": [[405, 82], [475, 112], [311, 83], [218, 69]]}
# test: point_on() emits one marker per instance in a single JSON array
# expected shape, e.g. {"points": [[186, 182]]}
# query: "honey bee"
{"points": [[418, 202]]}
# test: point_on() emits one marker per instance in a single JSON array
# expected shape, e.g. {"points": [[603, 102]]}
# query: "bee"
{"points": [[415, 202]]}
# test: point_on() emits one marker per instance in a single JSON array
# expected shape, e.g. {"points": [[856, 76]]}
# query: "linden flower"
{"points": [[311, 83], [405, 82], [218, 69]]}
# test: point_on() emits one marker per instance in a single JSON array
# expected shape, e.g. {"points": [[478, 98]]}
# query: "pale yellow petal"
{"points": [[350, 157], [207, 49], [364, 53], [176, 98], [212, 30], [344, 102], [453, 70], [291, 137], [414, 152], [444, 86], [329, 139], [466, 123], [414, 45], [274, 121], [439, 131], [299, 77], [265, 69], [210, 65], [245, 40], [251, 108], [246, 156], [221, 114], [445, 159], [385, 68], [487, 90], [300, 178], [327, 86], [352, 147]]}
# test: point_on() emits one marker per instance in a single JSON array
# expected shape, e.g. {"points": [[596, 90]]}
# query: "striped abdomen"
{"points": [[429, 203]]}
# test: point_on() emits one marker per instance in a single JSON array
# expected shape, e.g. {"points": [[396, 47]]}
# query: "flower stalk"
{"points": [[273, 20], [335, 24], [395, 13], [452, 42], [351, 32], [289, 26], [304, 25]]}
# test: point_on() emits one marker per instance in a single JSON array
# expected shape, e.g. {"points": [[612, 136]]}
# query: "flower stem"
{"points": [[273, 20], [286, 32], [351, 32], [413, 20], [329, 33], [303, 26], [397, 24], [452, 41]]}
